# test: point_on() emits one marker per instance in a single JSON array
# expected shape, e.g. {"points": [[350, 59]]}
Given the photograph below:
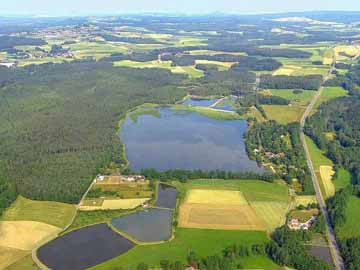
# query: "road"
{"points": [[333, 245]]}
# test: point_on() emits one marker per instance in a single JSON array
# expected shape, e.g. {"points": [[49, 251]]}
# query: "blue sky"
{"points": [[83, 7]]}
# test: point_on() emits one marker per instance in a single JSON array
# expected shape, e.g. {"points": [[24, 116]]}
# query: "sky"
{"points": [[93, 7]]}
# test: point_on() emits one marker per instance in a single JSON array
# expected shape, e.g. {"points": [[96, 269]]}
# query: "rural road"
{"points": [[333, 245]]}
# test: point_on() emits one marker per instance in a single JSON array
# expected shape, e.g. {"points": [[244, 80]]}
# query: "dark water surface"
{"points": [[148, 225], [166, 196], [183, 140], [199, 102], [83, 248], [322, 253]]}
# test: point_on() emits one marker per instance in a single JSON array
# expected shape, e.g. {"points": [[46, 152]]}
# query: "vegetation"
{"points": [[311, 82]]}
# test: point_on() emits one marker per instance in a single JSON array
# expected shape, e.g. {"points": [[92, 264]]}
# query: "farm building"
{"points": [[295, 224], [119, 178]]}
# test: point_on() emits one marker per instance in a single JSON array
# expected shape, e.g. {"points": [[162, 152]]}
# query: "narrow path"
{"points": [[333, 245], [216, 102]]}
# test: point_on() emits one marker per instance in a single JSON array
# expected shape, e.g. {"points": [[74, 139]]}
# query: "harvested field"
{"points": [[326, 173], [305, 200], [109, 204], [273, 213], [217, 197], [25, 235], [10, 255], [218, 209], [53, 213], [209, 216]]}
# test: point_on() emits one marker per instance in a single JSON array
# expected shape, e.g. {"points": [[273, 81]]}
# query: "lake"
{"points": [[184, 140], [166, 197]]}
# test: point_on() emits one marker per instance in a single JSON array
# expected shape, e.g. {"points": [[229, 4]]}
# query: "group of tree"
{"points": [[280, 145], [309, 82], [8, 194], [9, 42]]}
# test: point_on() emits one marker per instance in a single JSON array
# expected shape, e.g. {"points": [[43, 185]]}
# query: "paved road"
{"points": [[334, 248]]}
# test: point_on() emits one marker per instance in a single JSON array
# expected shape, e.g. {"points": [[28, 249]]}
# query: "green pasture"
{"points": [[351, 227]]}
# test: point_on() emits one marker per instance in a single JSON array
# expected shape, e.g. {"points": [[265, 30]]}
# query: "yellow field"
{"points": [[349, 50], [10, 255], [225, 65], [326, 173], [283, 114], [210, 216], [286, 70], [305, 200], [218, 209], [273, 213], [216, 197], [113, 204], [25, 235]]}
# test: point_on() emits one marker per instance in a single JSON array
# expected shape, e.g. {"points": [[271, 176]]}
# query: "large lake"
{"points": [[183, 140]]}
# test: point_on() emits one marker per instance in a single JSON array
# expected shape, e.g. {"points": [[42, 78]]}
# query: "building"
{"points": [[8, 64], [295, 224]]}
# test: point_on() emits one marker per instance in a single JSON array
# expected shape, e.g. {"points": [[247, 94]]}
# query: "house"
{"points": [[99, 178], [133, 178], [295, 224], [8, 64]]}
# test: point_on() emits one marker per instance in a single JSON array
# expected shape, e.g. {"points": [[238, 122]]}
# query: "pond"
{"points": [[166, 196], [184, 140], [199, 102], [83, 248], [148, 225], [322, 253]]}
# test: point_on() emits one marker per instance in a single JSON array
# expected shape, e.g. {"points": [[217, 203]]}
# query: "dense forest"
{"points": [[9, 42], [280, 145], [58, 122], [310, 82]]}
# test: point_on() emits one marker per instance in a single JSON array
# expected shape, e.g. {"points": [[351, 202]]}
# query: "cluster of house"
{"points": [[270, 155], [295, 224], [120, 178]]}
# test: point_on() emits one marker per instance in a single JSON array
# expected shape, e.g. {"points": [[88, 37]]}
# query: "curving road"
{"points": [[333, 245]]}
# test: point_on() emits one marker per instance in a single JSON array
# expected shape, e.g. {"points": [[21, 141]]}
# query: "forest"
{"points": [[310, 82], [53, 139], [286, 152]]}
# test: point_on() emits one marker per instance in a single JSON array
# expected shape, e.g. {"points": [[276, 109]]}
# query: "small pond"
{"points": [[184, 140], [148, 225], [199, 102], [83, 248], [322, 253], [166, 196]]}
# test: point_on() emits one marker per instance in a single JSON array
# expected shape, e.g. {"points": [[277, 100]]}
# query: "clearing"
{"points": [[284, 114], [326, 173]]}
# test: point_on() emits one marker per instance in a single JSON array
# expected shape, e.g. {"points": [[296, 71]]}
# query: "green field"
{"points": [[53, 213], [351, 227], [318, 157], [283, 114], [25, 263], [301, 99], [254, 190], [203, 242], [327, 94], [342, 179]]}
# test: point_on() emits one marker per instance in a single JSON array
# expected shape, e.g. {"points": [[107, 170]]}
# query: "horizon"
{"points": [[76, 8]]}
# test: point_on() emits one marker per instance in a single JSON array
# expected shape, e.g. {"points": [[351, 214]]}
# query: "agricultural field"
{"points": [[191, 71], [323, 168], [303, 215], [301, 99], [284, 114], [52, 213], [221, 65], [342, 179], [218, 209], [347, 53], [123, 190], [112, 204], [10, 255], [25, 263], [304, 200], [204, 242], [351, 226], [327, 94]]}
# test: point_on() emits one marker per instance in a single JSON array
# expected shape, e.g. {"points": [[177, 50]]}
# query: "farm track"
{"points": [[333, 245]]}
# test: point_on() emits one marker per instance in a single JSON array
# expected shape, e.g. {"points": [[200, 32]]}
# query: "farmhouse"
{"points": [[295, 224], [8, 64], [119, 178]]}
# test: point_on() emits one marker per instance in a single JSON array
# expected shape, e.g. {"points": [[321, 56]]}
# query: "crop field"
{"points": [[113, 204], [10, 255], [284, 114], [326, 173], [327, 94], [25, 263], [191, 71], [53, 213], [328, 57], [25, 235], [126, 191], [273, 213], [303, 215], [222, 65], [192, 239], [218, 209], [342, 179], [346, 53], [305, 200], [209, 52], [351, 226], [301, 99]]}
